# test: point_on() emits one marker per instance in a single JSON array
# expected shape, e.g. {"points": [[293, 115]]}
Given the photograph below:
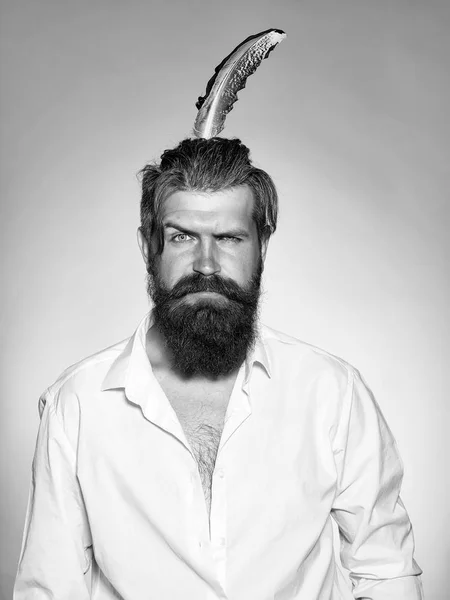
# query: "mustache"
{"points": [[191, 284]]}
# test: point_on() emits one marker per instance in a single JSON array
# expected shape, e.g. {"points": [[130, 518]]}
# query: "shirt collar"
{"points": [[133, 358]]}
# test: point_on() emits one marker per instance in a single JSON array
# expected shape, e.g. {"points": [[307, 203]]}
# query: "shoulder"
{"points": [[84, 376], [293, 355]]}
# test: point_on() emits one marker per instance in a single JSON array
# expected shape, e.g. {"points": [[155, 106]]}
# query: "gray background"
{"points": [[349, 115]]}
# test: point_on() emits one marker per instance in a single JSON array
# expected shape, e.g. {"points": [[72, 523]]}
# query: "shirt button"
{"points": [[222, 541], [220, 473]]}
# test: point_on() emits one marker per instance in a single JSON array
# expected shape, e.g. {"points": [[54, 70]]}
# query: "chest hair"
{"points": [[200, 407], [203, 426]]}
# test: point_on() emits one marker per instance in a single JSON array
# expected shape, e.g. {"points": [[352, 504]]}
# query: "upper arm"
{"points": [[377, 542], [56, 541]]}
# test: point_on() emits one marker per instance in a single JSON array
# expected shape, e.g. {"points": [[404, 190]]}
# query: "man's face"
{"points": [[209, 234], [206, 283]]}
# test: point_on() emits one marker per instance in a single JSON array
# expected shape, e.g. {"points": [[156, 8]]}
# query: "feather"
{"points": [[230, 77]]}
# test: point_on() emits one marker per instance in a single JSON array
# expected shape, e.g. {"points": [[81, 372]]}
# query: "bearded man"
{"points": [[205, 457]]}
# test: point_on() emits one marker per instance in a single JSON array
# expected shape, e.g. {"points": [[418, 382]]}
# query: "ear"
{"points": [[143, 244]]}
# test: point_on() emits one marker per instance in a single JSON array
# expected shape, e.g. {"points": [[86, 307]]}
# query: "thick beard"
{"points": [[209, 337]]}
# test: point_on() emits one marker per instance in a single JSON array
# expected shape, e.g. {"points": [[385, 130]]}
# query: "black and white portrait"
{"points": [[224, 333]]}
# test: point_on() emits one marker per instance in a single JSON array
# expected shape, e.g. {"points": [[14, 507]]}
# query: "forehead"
{"points": [[225, 206]]}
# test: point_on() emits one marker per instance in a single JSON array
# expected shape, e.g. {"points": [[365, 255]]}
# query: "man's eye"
{"points": [[180, 237], [230, 238]]}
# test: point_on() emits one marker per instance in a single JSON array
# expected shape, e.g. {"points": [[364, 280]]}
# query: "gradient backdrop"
{"points": [[349, 115]]}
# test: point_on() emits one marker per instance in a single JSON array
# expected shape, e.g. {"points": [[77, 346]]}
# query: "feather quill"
{"points": [[230, 77]]}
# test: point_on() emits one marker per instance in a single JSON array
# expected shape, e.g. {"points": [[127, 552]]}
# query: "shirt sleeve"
{"points": [[55, 555], [377, 542]]}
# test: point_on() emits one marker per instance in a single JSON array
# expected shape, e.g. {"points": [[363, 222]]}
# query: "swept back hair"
{"points": [[205, 165]]}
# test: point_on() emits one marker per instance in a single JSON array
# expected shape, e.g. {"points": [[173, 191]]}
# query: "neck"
{"points": [[162, 362]]}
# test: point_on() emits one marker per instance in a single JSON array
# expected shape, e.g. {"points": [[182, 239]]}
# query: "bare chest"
{"points": [[203, 425], [201, 412]]}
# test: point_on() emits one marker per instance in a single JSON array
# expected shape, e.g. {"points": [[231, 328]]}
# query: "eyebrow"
{"points": [[232, 232]]}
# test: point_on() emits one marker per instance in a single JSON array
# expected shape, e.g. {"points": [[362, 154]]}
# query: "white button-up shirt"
{"points": [[117, 508]]}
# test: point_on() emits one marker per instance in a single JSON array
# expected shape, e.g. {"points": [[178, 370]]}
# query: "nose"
{"points": [[205, 261]]}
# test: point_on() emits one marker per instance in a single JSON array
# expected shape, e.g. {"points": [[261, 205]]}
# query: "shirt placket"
{"points": [[218, 520], [238, 411]]}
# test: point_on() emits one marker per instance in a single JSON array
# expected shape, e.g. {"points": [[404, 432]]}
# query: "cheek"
{"points": [[244, 264], [171, 267]]}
